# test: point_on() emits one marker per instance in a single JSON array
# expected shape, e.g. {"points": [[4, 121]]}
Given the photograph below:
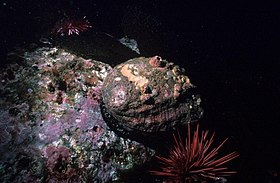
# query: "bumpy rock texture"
{"points": [[148, 95], [51, 127]]}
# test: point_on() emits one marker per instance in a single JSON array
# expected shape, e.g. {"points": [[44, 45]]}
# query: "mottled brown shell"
{"points": [[147, 94]]}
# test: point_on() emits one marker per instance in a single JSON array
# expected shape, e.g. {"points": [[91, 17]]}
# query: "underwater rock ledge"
{"points": [[65, 118], [51, 127]]}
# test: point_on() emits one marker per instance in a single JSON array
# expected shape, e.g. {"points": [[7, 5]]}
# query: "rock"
{"points": [[51, 127]]}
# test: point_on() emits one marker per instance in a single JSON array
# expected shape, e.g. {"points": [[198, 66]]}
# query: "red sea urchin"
{"points": [[194, 159], [69, 26]]}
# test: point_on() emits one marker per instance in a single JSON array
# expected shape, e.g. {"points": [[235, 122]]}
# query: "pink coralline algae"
{"points": [[13, 127], [59, 162], [51, 122]]}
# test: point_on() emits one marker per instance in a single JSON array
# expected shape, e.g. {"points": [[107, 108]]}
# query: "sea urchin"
{"points": [[70, 26], [194, 159]]}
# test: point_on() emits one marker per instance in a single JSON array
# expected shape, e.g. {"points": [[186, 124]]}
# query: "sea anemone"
{"points": [[194, 159]]}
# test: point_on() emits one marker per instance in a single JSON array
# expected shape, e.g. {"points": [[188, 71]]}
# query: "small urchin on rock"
{"points": [[147, 95]]}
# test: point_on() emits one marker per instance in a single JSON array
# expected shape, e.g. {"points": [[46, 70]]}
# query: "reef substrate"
{"points": [[51, 127]]}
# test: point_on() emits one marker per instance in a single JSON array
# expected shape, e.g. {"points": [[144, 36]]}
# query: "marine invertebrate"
{"points": [[148, 95], [69, 26], [194, 159]]}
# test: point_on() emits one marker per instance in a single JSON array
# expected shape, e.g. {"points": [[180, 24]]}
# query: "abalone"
{"points": [[148, 95]]}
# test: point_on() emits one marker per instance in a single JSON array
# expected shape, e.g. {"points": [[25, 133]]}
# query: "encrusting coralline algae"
{"points": [[51, 127]]}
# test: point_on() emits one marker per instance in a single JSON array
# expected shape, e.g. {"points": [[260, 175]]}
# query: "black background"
{"points": [[230, 50]]}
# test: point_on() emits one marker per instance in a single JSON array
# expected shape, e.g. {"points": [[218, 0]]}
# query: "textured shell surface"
{"points": [[147, 94]]}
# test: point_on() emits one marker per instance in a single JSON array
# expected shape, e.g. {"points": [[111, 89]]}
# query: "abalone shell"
{"points": [[148, 95]]}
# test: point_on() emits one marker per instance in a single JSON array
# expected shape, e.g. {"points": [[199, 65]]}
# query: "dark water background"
{"points": [[230, 50]]}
